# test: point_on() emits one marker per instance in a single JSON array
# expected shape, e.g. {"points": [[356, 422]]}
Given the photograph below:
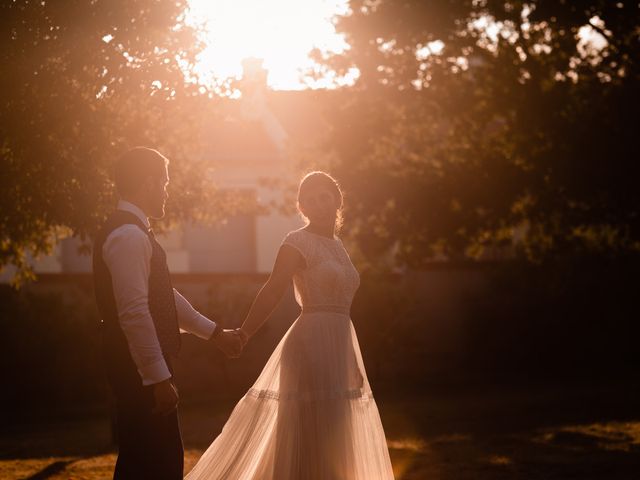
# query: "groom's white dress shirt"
{"points": [[127, 253]]}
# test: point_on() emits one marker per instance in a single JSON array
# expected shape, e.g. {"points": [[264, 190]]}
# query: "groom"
{"points": [[142, 316]]}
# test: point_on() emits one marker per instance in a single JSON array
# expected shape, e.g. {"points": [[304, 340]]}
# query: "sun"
{"points": [[280, 32]]}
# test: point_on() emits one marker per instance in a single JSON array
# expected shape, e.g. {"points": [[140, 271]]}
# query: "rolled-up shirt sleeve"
{"points": [[192, 321], [127, 254]]}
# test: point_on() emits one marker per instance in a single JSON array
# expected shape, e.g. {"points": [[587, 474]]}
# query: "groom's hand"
{"points": [[229, 342], [165, 395]]}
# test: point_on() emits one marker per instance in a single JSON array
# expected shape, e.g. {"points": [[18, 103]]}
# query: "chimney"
{"points": [[253, 87]]}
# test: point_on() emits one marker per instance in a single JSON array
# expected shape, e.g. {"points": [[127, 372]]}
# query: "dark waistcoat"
{"points": [[161, 300]]}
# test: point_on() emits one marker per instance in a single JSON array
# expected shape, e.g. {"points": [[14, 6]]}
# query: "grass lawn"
{"points": [[499, 433]]}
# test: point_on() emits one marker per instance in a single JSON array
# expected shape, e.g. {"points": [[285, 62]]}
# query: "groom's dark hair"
{"points": [[135, 166]]}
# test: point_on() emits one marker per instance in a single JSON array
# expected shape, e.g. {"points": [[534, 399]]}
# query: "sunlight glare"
{"points": [[281, 32]]}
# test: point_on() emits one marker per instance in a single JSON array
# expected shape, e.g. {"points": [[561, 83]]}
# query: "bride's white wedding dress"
{"points": [[311, 414]]}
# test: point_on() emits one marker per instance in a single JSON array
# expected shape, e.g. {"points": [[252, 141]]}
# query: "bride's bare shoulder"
{"points": [[295, 234]]}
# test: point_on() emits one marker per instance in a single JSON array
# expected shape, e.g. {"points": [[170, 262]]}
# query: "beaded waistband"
{"points": [[342, 309]]}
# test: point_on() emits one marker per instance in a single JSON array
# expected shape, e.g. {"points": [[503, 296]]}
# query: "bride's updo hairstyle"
{"points": [[318, 179]]}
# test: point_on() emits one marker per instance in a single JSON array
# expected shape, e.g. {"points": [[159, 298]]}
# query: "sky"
{"points": [[280, 32]]}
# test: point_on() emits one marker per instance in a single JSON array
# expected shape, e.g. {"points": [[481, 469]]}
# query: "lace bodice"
{"points": [[329, 279]]}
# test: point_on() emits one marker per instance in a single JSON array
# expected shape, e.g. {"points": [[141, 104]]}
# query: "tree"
{"points": [[81, 82], [475, 122]]}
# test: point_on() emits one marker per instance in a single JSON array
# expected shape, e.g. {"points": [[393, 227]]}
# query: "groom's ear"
{"points": [[147, 184]]}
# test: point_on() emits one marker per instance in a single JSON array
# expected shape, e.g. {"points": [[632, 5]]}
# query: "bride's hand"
{"points": [[229, 342], [243, 336]]}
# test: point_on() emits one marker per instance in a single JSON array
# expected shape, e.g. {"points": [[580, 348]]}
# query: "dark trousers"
{"points": [[149, 445]]}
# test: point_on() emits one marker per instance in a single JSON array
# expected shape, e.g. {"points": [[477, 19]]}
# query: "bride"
{"points": [[310, 414]]}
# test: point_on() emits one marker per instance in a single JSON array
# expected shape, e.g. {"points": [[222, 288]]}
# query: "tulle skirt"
{"points": [[309, 416]]}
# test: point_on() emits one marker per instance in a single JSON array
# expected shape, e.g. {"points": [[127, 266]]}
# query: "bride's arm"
{"points": [[287, 262]]}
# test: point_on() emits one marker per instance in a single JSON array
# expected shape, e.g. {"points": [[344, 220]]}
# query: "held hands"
{"points": [[230, 342]]}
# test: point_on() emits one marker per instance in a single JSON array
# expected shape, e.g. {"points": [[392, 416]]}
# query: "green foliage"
{"points": [[480, 124], [81, 82]]}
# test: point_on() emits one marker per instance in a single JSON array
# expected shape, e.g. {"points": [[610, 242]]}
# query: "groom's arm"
{"points": [[127, 254], [192, 321]]}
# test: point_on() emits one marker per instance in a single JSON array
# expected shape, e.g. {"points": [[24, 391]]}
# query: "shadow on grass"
{"points": [[50, 470]]}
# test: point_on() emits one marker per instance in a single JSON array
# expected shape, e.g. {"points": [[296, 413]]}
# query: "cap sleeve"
{"points": [[295, 239]]}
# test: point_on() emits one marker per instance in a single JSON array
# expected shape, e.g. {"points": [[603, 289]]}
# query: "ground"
{"points": [[550, 432]]}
